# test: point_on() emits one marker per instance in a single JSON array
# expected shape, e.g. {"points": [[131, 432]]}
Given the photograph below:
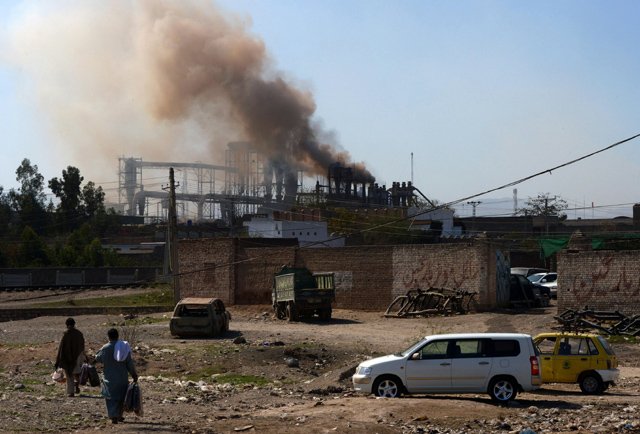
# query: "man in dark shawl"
{"points": [[118, 364], [71, 356]]}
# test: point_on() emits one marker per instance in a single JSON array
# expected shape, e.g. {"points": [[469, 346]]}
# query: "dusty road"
{"points": [[216, 385]]}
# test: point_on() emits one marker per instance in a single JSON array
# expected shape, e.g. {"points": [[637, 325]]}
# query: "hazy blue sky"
{"points": [[481, 92]]}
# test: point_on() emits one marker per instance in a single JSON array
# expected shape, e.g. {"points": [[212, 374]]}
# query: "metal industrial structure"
{"points": [[247, 183], [204, 192]]}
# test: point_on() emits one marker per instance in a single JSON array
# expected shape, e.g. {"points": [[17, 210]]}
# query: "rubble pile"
{"points": [[609, 322]]}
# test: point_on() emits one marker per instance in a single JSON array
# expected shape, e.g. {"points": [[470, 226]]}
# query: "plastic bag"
{"points": [[89, 373], [84, 374], [94, 378], [58, 376], [133, 399]]}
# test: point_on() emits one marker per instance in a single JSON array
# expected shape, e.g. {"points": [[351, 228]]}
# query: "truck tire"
{"points": [[292, 312], [325, 314], [281, 311]]}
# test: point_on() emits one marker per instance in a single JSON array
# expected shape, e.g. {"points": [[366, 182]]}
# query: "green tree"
{"points": [[376, 228], [93, 198], [5, 212], [78, 204], [29, 200], [33, 251], [544, 205], [93, 254], [66, 256], [83, 248], [68, 191]]}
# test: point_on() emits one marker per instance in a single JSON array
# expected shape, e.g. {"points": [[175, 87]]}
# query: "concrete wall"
{"points": [[42, 277], [601, 280], [19, 313], [367, 277]]}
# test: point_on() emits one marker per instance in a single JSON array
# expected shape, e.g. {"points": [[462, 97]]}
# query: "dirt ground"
{"points": [[287, 378]]}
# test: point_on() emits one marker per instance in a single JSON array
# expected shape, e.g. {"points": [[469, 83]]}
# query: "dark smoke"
{"points": [[200, 58], [162, 79]]}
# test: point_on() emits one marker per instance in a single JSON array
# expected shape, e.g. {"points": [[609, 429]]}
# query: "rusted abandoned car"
{"points": [[194, 317]]}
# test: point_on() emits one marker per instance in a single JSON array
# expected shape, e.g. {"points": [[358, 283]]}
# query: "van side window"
{"points": [[468, 348], [435, 350], [505, 348], [593, 350]]}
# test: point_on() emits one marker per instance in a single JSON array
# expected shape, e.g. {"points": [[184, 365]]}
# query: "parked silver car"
{"points": [[548, 280], [500, 364]]}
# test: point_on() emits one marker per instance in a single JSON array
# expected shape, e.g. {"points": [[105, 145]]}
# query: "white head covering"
{"points": [[121, 351]]}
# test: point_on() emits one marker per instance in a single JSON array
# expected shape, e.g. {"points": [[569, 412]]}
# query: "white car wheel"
{"points": [[387, 387], [503, 390]]}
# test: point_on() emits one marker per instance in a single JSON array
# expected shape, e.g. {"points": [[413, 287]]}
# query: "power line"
{"points": [[510, 184]]}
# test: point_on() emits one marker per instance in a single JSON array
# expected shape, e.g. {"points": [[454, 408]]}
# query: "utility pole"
{"points": [[172, 237], [412, 168], [546, 213], [474, 204]]}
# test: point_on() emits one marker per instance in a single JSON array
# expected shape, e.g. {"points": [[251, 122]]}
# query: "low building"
{"points": [[308, 232]]}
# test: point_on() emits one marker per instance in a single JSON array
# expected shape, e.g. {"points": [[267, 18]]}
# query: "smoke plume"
{"points": [[163, 79]]}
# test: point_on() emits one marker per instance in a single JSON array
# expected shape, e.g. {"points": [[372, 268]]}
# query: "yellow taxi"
{"points": [[583, 358]]}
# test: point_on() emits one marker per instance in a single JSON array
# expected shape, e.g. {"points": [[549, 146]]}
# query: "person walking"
{"points": [[118, 364], [71, 356]]}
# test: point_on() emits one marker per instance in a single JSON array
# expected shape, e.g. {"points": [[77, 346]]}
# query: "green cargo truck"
{"points": [[298, 293]]}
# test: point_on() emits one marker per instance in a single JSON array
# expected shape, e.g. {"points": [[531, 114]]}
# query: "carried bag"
{"points": [[89, 373], [84, 374], [58, 376], [133, 399], [94, 378]]}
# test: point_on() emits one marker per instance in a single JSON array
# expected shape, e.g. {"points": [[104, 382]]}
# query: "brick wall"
{"points": [[255, 272], [363, 275], [453, 266], [601, 280], [367, 277], [205, 269]]}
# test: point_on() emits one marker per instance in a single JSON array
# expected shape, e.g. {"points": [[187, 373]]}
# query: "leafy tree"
{"points": [[544, 205], [68, 191], [77, 204], [93, 198], [374, 228], [33, 251], [29, 200], [93, 254], [66, 256], [83, 248], [5, 212]]}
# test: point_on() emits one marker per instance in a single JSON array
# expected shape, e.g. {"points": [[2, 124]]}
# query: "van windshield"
{"points": [[411, 349]]}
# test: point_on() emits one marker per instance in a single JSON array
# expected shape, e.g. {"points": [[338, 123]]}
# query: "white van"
{"points": [[500, 364]]}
